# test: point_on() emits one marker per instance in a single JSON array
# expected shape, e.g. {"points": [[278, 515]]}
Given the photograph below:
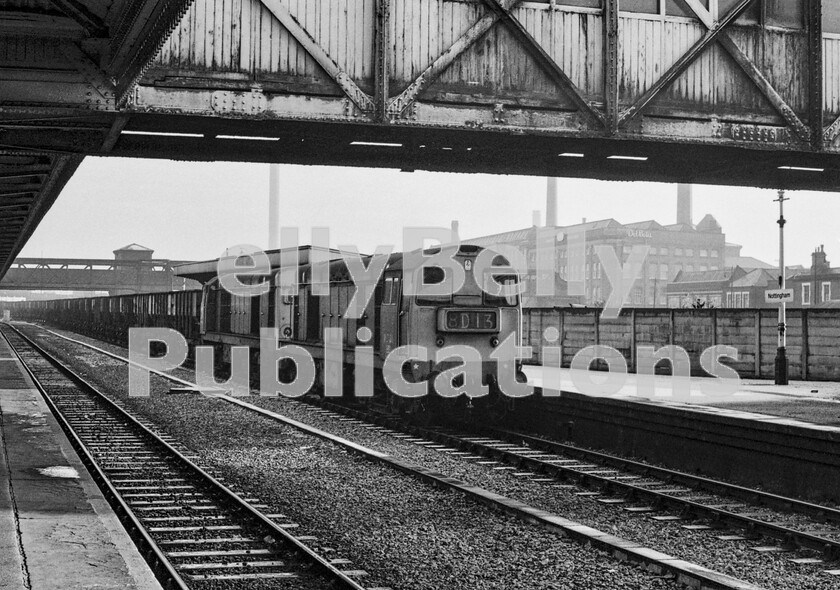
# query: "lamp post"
{"points": [[781, 356]]}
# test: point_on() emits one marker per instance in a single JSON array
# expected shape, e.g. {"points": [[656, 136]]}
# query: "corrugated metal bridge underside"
{"points": [[29, 183], [740, 92], [64, 67]]}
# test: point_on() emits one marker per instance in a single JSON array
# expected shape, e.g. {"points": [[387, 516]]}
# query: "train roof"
{"points": [[395, 262], [207, 270]]}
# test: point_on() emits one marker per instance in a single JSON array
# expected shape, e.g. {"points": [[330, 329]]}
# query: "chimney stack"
{"points": [[455, 235], [684, 204], [819, 261], [551, 203], [273, 206], [535, 217]]}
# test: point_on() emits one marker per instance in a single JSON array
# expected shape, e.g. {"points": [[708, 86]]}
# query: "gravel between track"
{"points": [[734, 558], [404, 533]]}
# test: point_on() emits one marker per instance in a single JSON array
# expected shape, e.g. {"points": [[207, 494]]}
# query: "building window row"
{"points": [[655, 271], [738, 299], [653, 251], [825, 292]]}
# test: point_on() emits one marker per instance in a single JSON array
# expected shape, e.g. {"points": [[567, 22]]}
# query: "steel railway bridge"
{"points": [[79, 274], [739, 92]]}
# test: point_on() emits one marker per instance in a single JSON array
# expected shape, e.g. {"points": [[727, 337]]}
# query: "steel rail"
{"points": [[686, 573], [829, 547], [697, 482], [239, 503], [151, 552]]}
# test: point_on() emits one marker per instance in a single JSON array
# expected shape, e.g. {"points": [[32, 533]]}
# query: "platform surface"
{"points": [[57, 531], [801, 403], [748, 389]]}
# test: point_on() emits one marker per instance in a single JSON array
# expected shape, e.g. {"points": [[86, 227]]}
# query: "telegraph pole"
{"points": [[781, 355]]}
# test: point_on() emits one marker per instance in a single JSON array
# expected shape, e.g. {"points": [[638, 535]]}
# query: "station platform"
{"points": [[748, 389], [57, 531], [784, 439]]}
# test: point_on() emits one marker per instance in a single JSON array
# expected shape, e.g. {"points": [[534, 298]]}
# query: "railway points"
{"points": [[344, 424]]}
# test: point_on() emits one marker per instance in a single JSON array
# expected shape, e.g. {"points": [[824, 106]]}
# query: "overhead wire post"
{"points": [[781, 354]]}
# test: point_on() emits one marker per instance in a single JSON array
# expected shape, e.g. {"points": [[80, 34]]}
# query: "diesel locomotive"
{"points": [[395, 316]]}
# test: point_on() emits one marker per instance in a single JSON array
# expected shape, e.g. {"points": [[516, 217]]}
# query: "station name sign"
{"points": [[639, 233], [778, 296]]}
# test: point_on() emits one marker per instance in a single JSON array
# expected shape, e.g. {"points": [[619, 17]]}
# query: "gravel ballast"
{"points": [[404, 533], [734, 558]]}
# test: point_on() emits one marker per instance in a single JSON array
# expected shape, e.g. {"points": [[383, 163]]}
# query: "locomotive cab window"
{"points": [[435, 275], [389, 291], [392, 291], [503, 299]]}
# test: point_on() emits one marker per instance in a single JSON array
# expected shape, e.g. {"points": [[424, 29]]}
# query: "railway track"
{"points": [[682, 483], [194, 531], [636, 487], [450, 442]]}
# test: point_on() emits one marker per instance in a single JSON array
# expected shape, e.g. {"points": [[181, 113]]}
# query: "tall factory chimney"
{"points": [[273, 206], [455, 233], [536, 217], [684, 204], [551, 202]]}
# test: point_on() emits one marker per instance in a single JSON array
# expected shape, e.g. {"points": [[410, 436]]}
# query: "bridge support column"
{"points": [[815, 73], [382, 45], [611, 65]]}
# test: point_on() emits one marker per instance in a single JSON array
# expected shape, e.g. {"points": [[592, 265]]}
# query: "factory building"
{"points": [[580, 276]]}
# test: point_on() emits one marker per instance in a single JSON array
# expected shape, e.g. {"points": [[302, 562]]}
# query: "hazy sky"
{"points": [[193, 211]]}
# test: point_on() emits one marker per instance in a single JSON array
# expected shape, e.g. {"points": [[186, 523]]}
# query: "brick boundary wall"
{"points": [[813, 337]]}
